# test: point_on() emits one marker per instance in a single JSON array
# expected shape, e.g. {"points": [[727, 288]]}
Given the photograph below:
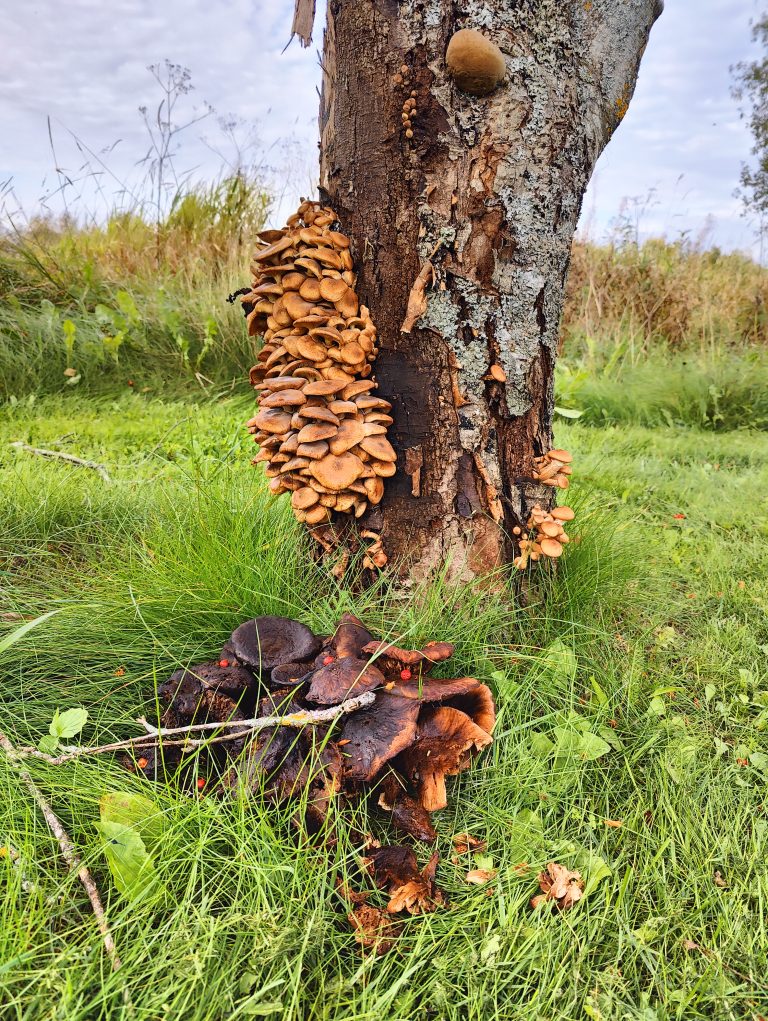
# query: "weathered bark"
{"points": [[493, 187]]}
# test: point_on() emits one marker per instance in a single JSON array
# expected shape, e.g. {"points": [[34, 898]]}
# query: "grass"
{"points": [[654, 633]]}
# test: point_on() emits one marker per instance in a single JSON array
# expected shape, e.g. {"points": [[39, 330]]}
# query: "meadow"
{"points": [[117, 345]]}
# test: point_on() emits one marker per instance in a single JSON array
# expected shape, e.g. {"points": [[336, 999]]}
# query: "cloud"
{"points": [[84, 65]]}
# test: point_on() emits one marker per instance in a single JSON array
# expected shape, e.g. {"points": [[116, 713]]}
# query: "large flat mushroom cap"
{"points": [[232, 679], [378, 733], [343, 678], [446, 738], [266, 642], [337, 472], [477, 702]]}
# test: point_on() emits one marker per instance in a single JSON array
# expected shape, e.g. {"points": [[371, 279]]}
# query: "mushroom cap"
{"points": [[445, 740], [478, 703], [378, 733], [336, 472], [283, 399], [349, 434], [475, 63], [316, 431], [437, 689], [324, 387], [332, 290], [302, 499], [266, 642], [343, 678], [290, 675], [433, 652], [563, 513], [551, 547], [560, 455], [272, 420]]}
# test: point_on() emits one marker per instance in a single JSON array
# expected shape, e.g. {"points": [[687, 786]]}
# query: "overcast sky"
{"points": [[675, 157]]}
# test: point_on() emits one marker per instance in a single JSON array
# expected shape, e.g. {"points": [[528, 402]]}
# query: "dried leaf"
{"points": [[559, 885], [480, 876], [465, 842], [719, 881], [373, 928]]}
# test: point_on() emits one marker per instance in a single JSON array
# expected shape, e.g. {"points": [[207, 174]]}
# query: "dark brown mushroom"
{"points": [[445, 741], [376, 734], [266, 642], [343, 678], [350, 637], [406, 813]]}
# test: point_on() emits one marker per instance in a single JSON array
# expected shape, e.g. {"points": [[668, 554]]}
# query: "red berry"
{"points": [[406, 674], [201, 783], [223, 662], [327, 660]]}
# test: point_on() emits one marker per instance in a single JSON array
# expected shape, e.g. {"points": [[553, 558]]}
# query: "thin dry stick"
{"points": [[68, 851], [304, 718], [61, 456]]}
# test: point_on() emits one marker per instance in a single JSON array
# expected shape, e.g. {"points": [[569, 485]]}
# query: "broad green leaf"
{"points": [[759, 760], [69, 723], [127, 857], [720, 746], [609, 734], [559, 660], [602, 698], [136, 811], [526, 837], [657, 706], [568, 412], [709, 692], [490, 948], [567, 742], [592, 747], [541, 746], [596, 869]]}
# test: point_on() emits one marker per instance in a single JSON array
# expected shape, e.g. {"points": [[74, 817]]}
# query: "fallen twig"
{"points": [[304, 718], [68, 851], [61, 456]]}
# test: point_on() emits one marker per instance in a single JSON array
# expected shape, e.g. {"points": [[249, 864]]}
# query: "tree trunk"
{"points": [[490, 190]]}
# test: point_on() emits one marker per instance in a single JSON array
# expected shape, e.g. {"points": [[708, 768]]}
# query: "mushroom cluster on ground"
{"points": [[545, 534], [397, 751], [320, 428], [553, 468]]}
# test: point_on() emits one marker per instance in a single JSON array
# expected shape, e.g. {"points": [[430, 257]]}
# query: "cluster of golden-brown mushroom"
{"points": [[545, 535], [320, 428], [553, 468]]}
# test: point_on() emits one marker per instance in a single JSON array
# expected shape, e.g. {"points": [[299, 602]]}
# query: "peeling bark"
{"points": [[488, 190]]}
